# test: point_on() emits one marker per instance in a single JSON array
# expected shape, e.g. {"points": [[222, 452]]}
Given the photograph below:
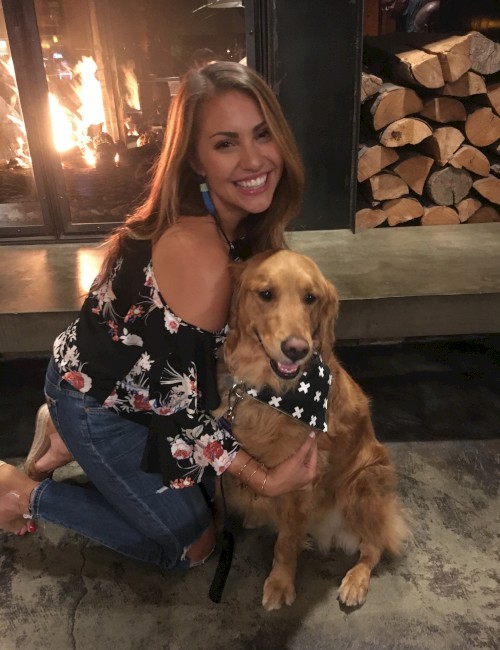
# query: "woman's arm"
{"points": [[293, 473]]}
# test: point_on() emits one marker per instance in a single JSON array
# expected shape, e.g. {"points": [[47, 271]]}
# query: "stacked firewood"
{"points": [[430, 131]]}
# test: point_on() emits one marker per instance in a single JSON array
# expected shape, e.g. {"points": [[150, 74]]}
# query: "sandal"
{"points": [[202, 548], [15, 493], [44, 432]]}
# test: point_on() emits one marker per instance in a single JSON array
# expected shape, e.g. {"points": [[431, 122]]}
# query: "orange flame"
{"points": [[71, 129]]}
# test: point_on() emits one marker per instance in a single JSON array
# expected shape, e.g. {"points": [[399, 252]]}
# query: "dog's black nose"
{"points": [[295, 347]]}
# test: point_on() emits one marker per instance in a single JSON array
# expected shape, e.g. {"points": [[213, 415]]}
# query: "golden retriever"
{"points": [[283, 311]]}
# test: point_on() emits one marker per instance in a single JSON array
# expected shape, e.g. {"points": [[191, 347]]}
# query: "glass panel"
{"points": [[112, 68], [19, 205]]}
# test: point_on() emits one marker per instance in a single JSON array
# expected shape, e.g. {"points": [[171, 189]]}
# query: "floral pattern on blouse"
{"points": [[138, 358]]}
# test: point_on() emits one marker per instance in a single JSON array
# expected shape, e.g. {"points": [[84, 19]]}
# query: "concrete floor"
{"points": [[436, 404]]}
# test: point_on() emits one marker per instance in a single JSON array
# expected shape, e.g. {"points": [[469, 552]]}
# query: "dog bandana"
{"points": [[308, 403]]}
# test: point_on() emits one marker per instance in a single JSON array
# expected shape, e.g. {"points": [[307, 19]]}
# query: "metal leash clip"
{"points": [[236, 394]]}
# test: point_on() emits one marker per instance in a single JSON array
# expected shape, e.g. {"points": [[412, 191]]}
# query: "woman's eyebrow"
{"points": [[260, 125], [234, 134], [226, 134]]}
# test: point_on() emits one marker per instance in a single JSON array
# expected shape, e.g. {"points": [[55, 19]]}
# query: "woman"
{"points": [[132, 380]]}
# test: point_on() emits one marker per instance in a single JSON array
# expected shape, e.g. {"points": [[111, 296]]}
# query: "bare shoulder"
{"points": [[190, 263]]}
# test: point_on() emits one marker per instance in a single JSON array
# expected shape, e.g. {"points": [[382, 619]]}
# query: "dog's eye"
{"points": [[265, 295], [309, 298]]}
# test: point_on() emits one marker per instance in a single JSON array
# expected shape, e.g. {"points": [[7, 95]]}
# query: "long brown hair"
{"points": [[174, 188]]}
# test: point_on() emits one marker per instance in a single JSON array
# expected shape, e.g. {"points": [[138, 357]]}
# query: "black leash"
{"points": [[225, 558], [227, 548]]}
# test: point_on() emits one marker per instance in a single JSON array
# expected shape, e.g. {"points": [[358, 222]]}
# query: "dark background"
{"points": [[427, 390]]}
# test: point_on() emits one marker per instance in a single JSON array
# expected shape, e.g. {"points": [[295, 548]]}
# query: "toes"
{"points": [[277, 593], [26, 529], [22, 531], [354, 587]]}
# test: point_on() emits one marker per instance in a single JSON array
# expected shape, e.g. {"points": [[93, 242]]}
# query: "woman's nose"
{"points": [[251, 157]]}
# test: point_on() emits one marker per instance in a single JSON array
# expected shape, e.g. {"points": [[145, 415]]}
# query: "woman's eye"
{"points": [[265, 134], [309, 298], [265, 295], [223, 144]]}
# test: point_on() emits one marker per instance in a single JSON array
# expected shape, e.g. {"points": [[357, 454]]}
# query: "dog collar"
{"points": [[308, 403]]}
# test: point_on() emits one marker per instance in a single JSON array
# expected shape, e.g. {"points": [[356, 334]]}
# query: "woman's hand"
{"points": [[295, 472]]}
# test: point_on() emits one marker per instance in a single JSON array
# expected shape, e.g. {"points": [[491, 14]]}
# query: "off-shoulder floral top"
{"points": [[130, 351]]}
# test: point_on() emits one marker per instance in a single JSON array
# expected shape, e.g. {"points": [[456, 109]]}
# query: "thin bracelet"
{"points": [[254, 472], [242, 468], [263, 482]]}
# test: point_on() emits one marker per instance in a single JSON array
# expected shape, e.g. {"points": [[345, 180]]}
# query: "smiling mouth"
{"points": [[285, 370], [253, 183]]}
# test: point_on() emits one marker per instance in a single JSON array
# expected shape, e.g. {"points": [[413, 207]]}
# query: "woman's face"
{"points": [[237, 155]]}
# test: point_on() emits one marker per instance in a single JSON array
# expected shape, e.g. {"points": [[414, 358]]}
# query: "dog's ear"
{"points": [[328, 316], [236, 271]]}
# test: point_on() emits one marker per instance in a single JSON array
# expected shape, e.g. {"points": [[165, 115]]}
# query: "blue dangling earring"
{"points": [[207, 199]]}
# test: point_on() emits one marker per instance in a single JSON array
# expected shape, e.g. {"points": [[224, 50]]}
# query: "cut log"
{"points": [[439, 215], [448, 186], [469, 84], [484, 54], [372, 159], [452, 52], [444, 110], [407, 130], [414, 169], [369, 218], [384, 186], [403, 63], [443, 143], [482, 127], [489, 188], [370, 85], [471, 158], [485, 214], [402, 210], [392, 103], [467, 207], [495, 169]]}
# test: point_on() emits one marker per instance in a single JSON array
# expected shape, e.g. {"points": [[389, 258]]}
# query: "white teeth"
{"points": [[287, 368], [254, 182]]}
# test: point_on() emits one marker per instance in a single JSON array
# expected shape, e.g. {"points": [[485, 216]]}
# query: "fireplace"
{"points": [[85, 87]]}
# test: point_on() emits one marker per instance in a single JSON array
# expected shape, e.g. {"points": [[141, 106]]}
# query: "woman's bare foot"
{"points": [[15, 496], [201, 549], [48, 451]]}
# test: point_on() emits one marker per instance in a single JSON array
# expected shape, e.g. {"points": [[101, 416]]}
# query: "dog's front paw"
{"points": [[277, 592], [354, 586]]}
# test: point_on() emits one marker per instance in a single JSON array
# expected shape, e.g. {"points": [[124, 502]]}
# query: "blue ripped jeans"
{"points": [[123, 507]]}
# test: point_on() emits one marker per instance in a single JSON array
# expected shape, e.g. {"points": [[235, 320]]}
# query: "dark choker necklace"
{"points": [[229, 243]]}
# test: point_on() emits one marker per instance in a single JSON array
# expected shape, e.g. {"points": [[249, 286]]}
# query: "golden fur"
{"points": [[352, 502]]}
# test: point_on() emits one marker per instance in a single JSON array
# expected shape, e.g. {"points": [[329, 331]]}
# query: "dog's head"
{"points": [[283, 310]]}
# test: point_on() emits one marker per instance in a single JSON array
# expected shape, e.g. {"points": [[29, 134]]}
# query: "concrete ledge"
{"points": [[393, 283], [392, 319], [32, 333], [396, 283]]}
